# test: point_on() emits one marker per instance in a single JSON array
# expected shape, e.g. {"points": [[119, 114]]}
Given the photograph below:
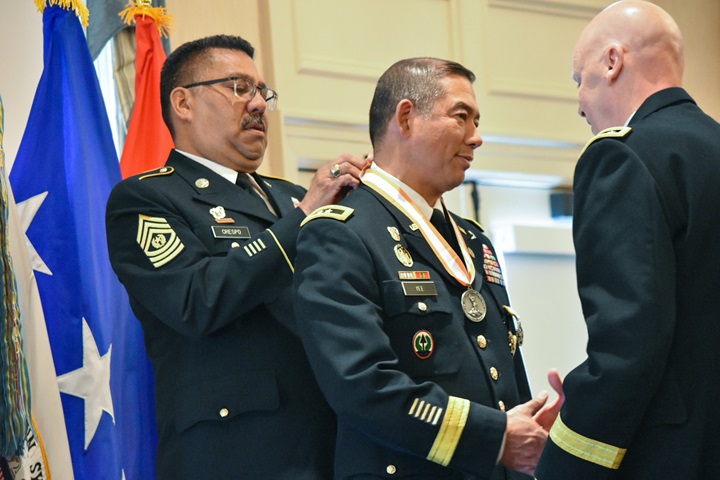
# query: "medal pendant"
{"points": [[473, 304]]}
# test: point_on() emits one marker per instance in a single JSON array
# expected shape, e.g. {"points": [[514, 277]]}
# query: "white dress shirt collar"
{"points": [[422, 204]]}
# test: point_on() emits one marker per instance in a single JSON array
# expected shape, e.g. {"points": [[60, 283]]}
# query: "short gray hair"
{"points": [[416, 79]]}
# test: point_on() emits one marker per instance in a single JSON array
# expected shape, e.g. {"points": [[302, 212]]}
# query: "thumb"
{"points": [[532, 406], [555, 381]]}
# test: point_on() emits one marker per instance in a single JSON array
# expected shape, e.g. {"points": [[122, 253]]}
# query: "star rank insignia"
{"points": [[336, 212]]}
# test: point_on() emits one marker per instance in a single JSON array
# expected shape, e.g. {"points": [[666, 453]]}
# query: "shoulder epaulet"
{"points": [[264, 178], [157, 173], [336, 212], [475, 222], [612, 132]]}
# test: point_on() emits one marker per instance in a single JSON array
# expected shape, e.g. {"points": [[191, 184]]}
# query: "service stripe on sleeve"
{"points": [[586, 448], [450, 432]]}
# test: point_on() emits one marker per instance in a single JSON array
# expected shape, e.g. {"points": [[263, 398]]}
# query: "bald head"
{"points": [[629, 51]]}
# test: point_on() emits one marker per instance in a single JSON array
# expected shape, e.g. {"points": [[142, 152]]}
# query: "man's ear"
{"points": [[613, 61], [405, 112], [181, 103]]}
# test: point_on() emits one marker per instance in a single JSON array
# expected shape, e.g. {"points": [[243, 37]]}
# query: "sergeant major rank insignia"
{"points": [[158, 240]]}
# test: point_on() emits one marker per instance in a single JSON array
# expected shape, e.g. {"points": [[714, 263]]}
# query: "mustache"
{"points": [[254, 118]]}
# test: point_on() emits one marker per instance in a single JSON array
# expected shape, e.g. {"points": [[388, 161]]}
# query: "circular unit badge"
{"points": [[423, 344]]}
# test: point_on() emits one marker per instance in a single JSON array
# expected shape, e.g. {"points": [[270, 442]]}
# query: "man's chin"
{"points": [[248, 161], [253, 151]]}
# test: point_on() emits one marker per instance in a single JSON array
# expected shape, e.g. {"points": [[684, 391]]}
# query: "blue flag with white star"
{"points": [[65, 168]]}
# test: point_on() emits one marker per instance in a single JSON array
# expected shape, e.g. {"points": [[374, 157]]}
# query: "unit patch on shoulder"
{"points": [[336, 212], [158, 173], [612, 132], [158, 240]]}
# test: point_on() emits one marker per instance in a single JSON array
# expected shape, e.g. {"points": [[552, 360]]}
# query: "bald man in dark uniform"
{"points": [[644, 403]]}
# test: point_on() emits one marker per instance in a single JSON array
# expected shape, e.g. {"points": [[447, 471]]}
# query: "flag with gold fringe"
{"points": [[148, 140], [106, 23], [65, 168]]}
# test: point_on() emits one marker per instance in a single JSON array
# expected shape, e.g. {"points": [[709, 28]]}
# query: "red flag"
{"points": [[148, 140]]}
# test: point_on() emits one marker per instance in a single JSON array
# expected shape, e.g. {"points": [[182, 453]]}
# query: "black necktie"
{"points": [[441, 225], [243, 181]]}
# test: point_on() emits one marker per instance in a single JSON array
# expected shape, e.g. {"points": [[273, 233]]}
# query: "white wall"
{"points": [[539, 261], [20, 67]]}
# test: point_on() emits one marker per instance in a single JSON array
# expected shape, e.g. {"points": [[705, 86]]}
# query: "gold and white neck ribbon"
{"points": [[461, 270]]}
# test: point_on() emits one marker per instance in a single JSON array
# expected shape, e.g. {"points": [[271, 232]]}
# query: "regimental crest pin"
{"points": [[202, 183], [218, 214], [423, 344], [394, 233], [403, 255]]}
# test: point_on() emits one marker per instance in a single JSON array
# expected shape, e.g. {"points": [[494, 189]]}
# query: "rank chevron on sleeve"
{"points": [[158, 240]]}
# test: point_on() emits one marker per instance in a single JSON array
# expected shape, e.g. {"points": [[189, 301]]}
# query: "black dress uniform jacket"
{"points": [[644, 405], [401, 367], [235, 395]]}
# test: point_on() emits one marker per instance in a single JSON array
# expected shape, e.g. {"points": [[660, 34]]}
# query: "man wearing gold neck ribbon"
{"points": [[409, 331]]}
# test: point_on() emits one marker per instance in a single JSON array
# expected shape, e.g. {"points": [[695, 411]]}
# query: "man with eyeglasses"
{"points": [[205, 248]]}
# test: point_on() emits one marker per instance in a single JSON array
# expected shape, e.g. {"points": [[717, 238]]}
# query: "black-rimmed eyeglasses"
{"points": [[244, 89]]}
